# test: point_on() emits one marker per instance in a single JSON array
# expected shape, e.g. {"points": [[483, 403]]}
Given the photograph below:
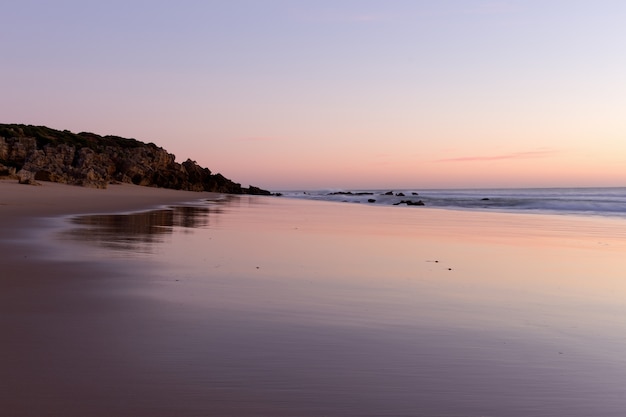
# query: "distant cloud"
{"points": [[514, 155]]}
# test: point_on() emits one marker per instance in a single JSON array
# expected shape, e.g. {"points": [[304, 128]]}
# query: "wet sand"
{"points": [[272, 307], [37, 374], [24, 208]]}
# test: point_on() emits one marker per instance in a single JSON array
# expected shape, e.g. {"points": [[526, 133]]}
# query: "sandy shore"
{"points": [[32, 289], [22, 207], [261, 306], [20, 203]]}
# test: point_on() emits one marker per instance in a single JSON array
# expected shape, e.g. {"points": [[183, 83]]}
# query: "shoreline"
{"points": [[237, 303], [19, 202], [47, 300], [582, 201], [26, 210]]}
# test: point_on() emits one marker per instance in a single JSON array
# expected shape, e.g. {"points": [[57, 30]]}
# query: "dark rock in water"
{"points": [[388, 193], [371, 200], [349, 193], [415, 203], [38, 153], [484, 199], [278, 194], [414, 193], [400, 195], [410, 203]]}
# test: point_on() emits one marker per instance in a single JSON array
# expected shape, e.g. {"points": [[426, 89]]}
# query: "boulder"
{"points": [[26, 177]]}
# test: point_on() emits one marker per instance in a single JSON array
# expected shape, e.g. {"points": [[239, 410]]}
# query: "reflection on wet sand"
{"points": [[271, 307], [139, 232]]}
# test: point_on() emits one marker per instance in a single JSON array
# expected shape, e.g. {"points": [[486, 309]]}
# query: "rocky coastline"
{"points": [[36, 153]]}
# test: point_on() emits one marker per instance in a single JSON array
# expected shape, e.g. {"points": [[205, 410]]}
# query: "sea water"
{"points": [[585, 201], [266, 306]]}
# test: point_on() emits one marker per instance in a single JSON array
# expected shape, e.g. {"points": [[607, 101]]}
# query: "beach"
{"points": [[196, 304]]}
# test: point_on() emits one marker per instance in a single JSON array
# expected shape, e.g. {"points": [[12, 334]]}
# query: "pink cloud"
{"points": [[514, 155]]}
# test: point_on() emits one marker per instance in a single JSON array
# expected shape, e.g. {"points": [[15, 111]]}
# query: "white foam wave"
{"points": [[595, 201]]}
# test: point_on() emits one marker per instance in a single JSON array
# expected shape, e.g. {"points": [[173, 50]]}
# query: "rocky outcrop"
{"points": [[35, 153]]}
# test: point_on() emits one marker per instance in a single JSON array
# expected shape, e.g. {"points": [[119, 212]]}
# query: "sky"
{"points": [[341, 94]]}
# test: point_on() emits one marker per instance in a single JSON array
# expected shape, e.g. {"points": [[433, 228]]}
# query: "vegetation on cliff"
{"points": [[38, 153]]}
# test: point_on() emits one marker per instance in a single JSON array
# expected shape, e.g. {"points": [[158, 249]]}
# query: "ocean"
{"points": [[577, 201]]}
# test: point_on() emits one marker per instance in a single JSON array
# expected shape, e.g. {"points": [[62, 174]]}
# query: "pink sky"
{"points": [[351, 94]]}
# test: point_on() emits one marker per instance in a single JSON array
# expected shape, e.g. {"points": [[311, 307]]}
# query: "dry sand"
{"points": [[20, 203]]}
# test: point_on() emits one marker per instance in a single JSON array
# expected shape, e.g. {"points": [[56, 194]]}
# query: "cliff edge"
{"points": [[38, 153]]}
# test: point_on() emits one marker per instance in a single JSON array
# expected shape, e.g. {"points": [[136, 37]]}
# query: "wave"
{"points": [[584, 201]]}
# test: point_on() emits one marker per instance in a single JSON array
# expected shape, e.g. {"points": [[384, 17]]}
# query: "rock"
{"points": [[415, 203], [371, 200], [4, 149], [410, 203], [44, 175], [257, 191], [90, 160], [20, 148], [6, 171], [26, 177], [388, 193], [349, 193], [414, 193]]}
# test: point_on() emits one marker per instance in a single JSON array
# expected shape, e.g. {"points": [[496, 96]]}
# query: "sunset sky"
{"points": [[335, 94]]}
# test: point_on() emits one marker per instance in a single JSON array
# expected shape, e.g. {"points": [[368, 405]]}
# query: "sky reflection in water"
{"points": [[286, 307]]}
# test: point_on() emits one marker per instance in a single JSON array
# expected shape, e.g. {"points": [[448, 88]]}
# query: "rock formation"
{"points": [[37, 153]]}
